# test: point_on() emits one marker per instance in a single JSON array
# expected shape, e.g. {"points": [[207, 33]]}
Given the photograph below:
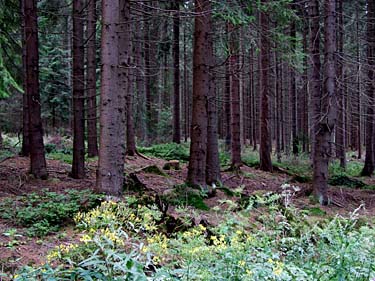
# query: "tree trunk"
{"points": [[340, 130], [227, 110], [125, 73], [328, 112], [212, 161], [235, 109], [92, 135], [314, 73], [359, 126], [176, 74], [293, 93], [25, 150], [369, 167], [265, 137], [110, 174], [37, 157], [201, 87], [78, 166]]}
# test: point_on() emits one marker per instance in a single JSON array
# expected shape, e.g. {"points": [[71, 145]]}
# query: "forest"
{"points": [[187, 140]]}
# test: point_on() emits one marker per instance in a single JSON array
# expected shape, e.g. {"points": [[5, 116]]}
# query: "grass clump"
{"points": [[46, 212]]}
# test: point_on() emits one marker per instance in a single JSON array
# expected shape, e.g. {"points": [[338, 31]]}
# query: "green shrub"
{"points": [[45, 212]]}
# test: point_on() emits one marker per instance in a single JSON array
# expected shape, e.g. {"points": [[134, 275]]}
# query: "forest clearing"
{"points": [[187, 140]]}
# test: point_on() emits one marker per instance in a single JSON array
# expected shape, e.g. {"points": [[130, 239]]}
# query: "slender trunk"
{"points": [[125, 72], [140, 85], [277, 107], [359, 141], [78, 166], [235, 109], [369, 167], [25, 150], [110, 174], [150, 134], [176, 74], [314, 73], [227, 110], [201, 87], [265, 137], [92, 135], [328, 112], [340, 130], [212, 161], [293, 93], [37, 158]]}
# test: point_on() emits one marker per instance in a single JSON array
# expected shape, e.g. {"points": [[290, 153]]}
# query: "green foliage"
{"points": [[183, 195], [45, 212], [167, 151], [121, 241]]}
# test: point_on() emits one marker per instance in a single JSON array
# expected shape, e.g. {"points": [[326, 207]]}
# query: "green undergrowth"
{"points": [[167, 151], [129, 241], [46, 212], [184, 196]]}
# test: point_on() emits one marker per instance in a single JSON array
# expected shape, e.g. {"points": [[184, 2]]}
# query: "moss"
{"points": [[183, 195], [344, 180], [153, 169]]}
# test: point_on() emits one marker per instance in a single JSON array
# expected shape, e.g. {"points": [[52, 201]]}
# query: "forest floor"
{"points": [[18, 249]]}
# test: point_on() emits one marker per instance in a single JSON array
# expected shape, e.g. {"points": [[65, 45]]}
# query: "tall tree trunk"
{"points": [[92, 135], [201, 87], [265, 137], [328, 112], [359, 141], [150, 134], [227, 110], [369, 167], [78, 166], [340, 130], [25, 150], [37, 157], [176, 74], [186, 92], [140, 84], [110, 174], [234, 50], [293, 92], [125, 72], [314, 73], [212, 161]]}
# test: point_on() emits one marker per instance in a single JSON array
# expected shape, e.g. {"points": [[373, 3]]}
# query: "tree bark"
{"points": [[125, 75], [176, 73], [25, 150], [369, 167], [265, 137], [201, 87], [37, 157], [328, 112], [78, 166], [235, 109], [212, 162], [92, 135], [314, 73], [293, 90], [340, 130], [110, 174]]}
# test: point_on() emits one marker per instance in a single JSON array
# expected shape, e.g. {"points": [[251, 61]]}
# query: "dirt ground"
{"points": [[15, 180]]}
